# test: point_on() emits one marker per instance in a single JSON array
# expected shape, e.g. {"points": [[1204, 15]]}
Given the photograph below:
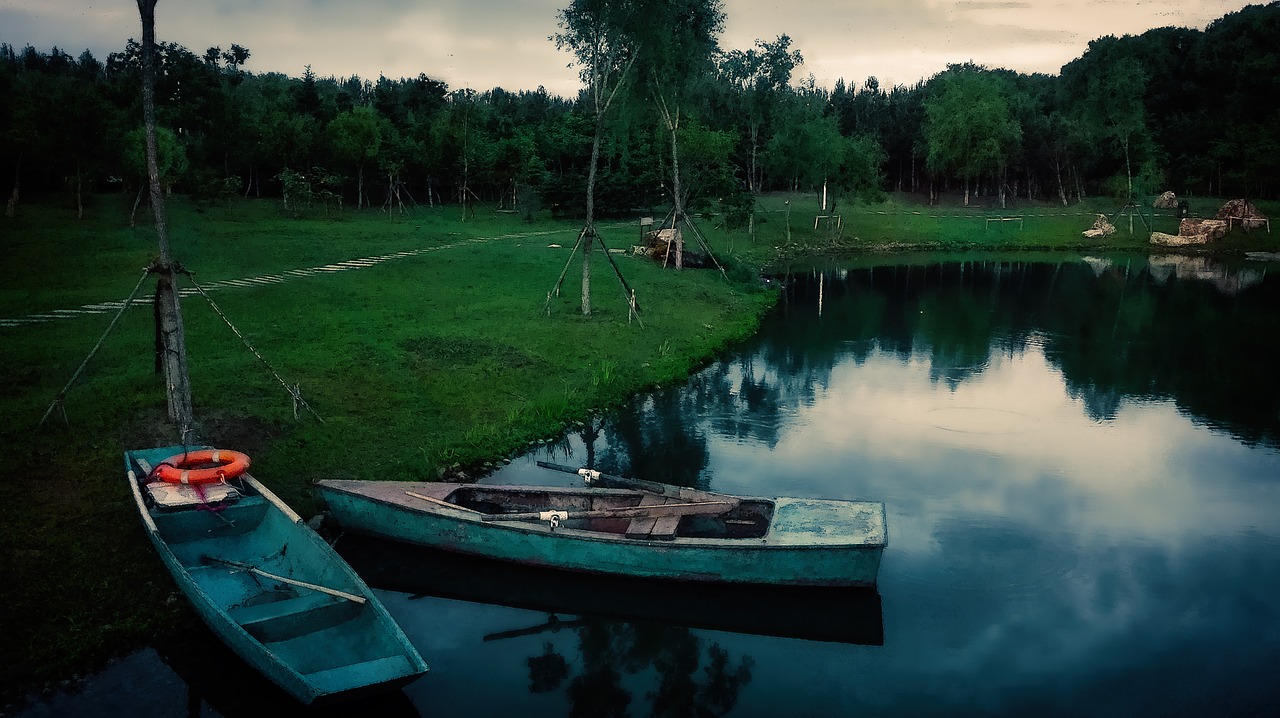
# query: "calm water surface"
{"points": [[1080, 458]]}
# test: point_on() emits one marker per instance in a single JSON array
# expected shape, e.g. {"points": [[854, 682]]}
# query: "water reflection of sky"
{"points": [[1010, 442], [1040, 559]]}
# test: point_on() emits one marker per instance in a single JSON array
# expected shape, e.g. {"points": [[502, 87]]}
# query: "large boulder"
{"points": [[1242, 211], [1177, 240], [1192, 231], [1211, 229]]}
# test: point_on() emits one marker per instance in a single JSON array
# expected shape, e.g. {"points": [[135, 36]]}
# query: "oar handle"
{"points": [[591, 476]]}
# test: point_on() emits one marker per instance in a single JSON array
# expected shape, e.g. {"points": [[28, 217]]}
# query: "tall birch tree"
{"points": [[680, 43], [171, 342], [602, 35]]}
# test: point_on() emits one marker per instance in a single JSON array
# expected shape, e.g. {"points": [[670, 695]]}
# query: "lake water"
{"points": [[1080, 459]]}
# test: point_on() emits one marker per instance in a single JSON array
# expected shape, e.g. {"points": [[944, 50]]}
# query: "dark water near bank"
{"points": [[1081, 463]]}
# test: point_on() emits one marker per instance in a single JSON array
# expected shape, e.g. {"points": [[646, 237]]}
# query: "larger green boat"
{"points": [[268, 585], [650, 531]]}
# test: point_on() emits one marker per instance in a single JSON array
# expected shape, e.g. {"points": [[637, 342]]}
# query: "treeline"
{"points": [[1194, 111]]}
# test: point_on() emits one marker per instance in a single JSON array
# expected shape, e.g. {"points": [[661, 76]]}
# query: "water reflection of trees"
{"points": [[611, 650], [1203, 335], [659, 439]]}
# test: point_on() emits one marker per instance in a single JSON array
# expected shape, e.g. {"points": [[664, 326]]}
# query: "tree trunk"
{"points": [[466, 167], [788, 221], [753, 184], [11, 208], [966, 190], [177, 380], [360, 186], [1062, 190], [133, 214], [590, 231], [1127, 170], [677, 192], [79, 192]]}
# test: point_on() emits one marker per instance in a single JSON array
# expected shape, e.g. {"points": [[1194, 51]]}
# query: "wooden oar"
{"points": [[593, 477], [443, 503], [627, 512], [283, 579]]}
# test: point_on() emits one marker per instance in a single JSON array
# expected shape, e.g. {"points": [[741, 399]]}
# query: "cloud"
{"points": [[486, 43]]}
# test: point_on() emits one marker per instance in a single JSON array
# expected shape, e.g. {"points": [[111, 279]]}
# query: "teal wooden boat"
{"points": [[269, 586], [651, 531]]}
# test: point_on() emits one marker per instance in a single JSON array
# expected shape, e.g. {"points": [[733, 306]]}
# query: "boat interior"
{"points": [[744, 519]]}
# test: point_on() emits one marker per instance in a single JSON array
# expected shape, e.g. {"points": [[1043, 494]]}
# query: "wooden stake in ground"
{"points": [[171, 341]]}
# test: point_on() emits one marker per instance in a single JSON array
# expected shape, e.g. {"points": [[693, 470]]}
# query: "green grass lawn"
{"points": [[902, 223], [436, 362]]}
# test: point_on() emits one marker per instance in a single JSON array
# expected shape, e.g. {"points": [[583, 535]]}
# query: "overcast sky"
{"points": [[485, 43]]}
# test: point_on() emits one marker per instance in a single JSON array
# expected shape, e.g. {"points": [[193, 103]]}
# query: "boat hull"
{"points": [[316, 646], [801, 547]]}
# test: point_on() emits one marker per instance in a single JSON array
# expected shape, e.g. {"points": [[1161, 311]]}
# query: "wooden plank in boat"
{"points": [[664, 528], [640, 528]]}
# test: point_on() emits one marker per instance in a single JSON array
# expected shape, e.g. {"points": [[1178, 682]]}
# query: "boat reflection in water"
{"points": [[816, 613], [216, 677]]}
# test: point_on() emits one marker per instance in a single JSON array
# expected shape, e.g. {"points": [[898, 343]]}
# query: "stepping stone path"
{"points": [[107, 307]]}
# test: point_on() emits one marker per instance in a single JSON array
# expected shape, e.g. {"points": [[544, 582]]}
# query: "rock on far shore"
{"points": [[1101, 228], [1203, 231], [1192, 231], [1244, 211]]}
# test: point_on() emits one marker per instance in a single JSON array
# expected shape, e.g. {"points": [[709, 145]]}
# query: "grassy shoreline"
{"points": [[438, 362]]}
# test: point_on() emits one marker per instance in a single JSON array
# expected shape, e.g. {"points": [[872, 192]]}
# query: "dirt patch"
{"points": [[244, 433]]}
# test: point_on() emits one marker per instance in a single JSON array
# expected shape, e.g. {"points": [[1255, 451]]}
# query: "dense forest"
{"points": [[1197, 112]]}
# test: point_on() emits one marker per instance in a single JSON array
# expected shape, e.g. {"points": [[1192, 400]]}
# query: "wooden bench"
{"points": [[662, 527], [292, 617], [355, 675]]}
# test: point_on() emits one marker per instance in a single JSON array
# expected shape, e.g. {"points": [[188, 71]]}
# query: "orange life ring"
{"points": [[177, 469]]}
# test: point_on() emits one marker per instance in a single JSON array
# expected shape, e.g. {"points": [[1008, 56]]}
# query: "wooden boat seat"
{"points": [[661, 527], [293, 617], [354, 675]]}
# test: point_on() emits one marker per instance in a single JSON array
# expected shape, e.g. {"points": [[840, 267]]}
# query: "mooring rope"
{"points": [[57, 401], [295, 390]]}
